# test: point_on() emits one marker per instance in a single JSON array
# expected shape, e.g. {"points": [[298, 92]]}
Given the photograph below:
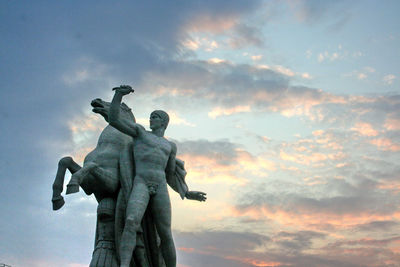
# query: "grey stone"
{"points": [[128, 173]]}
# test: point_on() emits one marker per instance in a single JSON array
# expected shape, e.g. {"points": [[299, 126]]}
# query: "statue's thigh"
{"points": [[138, 200], [161, 208]]}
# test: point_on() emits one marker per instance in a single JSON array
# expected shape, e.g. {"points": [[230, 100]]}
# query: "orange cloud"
{"points": [[215, 60], [203, 169], [213, 24], [365, 129], [254, 262], [175, 119], [94, 123], [392, 186], [312, 158], [219, 111], [392, 124], [309, 220], [186, 249], [385, 144], [197, 43], [207, 169]]}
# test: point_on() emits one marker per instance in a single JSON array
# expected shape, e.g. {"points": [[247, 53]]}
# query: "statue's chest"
{"points": [[154, 143]]}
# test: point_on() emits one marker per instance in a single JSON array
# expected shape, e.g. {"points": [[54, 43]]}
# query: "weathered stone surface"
{"points": [[128, 173]]}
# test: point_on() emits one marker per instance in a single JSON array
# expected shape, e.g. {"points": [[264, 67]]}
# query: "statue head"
{"points": [[159, 119]]}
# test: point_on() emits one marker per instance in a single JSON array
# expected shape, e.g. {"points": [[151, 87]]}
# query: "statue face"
{"points": [[156, 121]]}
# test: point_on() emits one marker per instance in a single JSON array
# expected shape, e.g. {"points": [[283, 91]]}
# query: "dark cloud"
{"points": [[377, 226], [227, 84], [295, 242], [245, 35], [246, 249], [352, 200], [225, 241], [222, 152]]}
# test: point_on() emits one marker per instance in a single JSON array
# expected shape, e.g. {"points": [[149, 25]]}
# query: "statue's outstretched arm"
{"points": [[115, 120], [196, 195], [176, 173]]}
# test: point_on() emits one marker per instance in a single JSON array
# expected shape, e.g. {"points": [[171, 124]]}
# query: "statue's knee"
{"points": [[65, 161], [91, 166], [133, 224]]}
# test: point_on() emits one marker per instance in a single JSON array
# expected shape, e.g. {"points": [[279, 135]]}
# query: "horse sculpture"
{"points": [[101, 176], [100, 172], [108, 172]]}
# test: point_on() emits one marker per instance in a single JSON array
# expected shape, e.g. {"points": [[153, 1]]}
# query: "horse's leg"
{"points": [[106, 181], [92, 175], [77, 177], [64, 164]]}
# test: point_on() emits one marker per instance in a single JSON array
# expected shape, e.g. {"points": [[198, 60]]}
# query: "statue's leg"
{"points": [[161, 211], [137, 204], [77, 177], [105, 180], [92, 175], [64, 164], [140, 255]]}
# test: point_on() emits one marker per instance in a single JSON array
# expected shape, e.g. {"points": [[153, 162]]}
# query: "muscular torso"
{"points": [[151, 157]]}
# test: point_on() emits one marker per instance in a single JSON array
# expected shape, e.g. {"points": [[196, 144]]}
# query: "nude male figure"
{"points": [[154, 162]]}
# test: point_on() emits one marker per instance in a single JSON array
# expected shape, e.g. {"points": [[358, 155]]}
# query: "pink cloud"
{"points": [[385, 144], [392, 124], [365, 129], [220, 111]]}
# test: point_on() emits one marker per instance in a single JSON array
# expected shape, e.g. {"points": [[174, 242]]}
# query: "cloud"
{"points": [[361, 74], [340, 191], [218, 111], [200, 43], [365, 129], [175, 119], [256, 57], [221, 161], [374, 226], [392, 123], [389, 79], [314, 11], [385, 144], [244, 35], [223, 84], [282, 249]]}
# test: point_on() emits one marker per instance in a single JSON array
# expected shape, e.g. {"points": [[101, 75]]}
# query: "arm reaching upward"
{"points": [[125, 126]]}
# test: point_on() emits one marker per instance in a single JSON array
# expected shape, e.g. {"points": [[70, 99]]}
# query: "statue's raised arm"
{"points": [[128, 127]]}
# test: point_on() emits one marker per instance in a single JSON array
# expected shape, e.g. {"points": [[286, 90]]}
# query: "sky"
{"points": [[286, 114]]}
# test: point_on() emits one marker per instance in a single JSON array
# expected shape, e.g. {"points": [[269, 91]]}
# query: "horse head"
{"points": [[103, 108]]}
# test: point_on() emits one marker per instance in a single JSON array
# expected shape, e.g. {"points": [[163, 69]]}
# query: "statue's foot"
{"points": [[58, 202], [72, 188]]}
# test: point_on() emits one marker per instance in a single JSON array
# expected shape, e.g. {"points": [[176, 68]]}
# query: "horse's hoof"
{"points": [[58, 202], [72, 188]]}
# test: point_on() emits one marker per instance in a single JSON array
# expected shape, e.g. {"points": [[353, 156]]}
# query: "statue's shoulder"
{"points": [[173, 146], [141, 127]]}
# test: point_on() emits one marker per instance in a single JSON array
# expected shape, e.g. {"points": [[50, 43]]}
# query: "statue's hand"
{"points": [[124, 89], [196, 195]]}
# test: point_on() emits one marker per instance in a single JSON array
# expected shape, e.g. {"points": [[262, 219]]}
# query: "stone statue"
{"points": [[100, 172], [155, 163], [128, 172]]}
